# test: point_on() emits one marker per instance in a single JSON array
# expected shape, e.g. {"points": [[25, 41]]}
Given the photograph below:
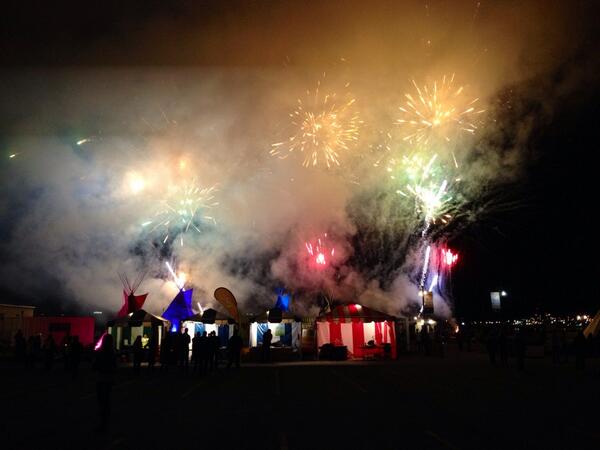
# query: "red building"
{"points": [[59, 327]]}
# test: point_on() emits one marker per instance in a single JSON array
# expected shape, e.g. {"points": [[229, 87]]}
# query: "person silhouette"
{"points": [[234, 348], [104, 365], [213, 346], [152, 348], [196, 359], [266, 346], [184, 350], [204, 352]]}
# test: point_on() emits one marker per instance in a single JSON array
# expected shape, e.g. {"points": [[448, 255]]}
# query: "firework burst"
{"points": [[185, 208], [319, 252], [325, 126], [424, 180], [438, 110]]}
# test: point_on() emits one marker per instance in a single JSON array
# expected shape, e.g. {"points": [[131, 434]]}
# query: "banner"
{"points": [[226, 298]]}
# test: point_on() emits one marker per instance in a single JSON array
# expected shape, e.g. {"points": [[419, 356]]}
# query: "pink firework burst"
{"points": [[320, 253]]}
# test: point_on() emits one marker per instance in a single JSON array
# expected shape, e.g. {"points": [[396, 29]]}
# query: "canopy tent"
{"points": [[285, 327], [139, 323], [354, 326], [179, 309], [593, 327], [211, 320]]}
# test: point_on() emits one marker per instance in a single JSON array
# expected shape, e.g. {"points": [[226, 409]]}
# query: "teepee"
{"points": [[131, 302]]}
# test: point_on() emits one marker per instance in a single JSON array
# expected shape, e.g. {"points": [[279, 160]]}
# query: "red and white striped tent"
{"points": [[354, 326]]}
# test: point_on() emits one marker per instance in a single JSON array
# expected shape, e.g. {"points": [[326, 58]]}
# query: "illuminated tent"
{"points": [[139, 323], [283, 300], [179, 309], [211, 320], [354, 326], [285, 327], [131, 302], [593, 327]]}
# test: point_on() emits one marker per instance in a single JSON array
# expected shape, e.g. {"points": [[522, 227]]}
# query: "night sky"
{"points": [[538, 243]]}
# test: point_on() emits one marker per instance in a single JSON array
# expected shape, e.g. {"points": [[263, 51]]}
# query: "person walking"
{"points": [[104, 365]]}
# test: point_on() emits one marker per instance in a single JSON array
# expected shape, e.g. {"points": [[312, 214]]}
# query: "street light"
{"points": [[503, 293]]}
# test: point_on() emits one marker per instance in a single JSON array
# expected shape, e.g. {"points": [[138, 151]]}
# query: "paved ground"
{"points": [[458, 402]]}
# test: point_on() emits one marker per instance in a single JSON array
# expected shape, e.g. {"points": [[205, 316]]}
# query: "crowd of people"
{"points": [[33, 351]]}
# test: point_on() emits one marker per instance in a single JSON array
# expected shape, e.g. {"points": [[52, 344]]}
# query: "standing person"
{"points": [[234, 348], [165, 352], [49, 351], [184, 350], [204, 352], [152, 348], [105, 365], [75, 356], [214, 348], [137, 355], [266, 346], [196, 359], [520, 349]]}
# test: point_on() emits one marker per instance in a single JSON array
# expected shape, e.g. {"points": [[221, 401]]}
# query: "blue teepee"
{"points": [[179, 309], [283, 300]]}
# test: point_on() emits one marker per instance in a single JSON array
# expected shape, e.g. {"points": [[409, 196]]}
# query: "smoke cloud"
{"points": [[73, 214]]}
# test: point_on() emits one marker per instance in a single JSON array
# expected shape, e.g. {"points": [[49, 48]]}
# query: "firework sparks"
{"points": [[183, 210], [178, 279], [426, 182], [449, 258], [324, 127], [319, 252], [440, 109]]}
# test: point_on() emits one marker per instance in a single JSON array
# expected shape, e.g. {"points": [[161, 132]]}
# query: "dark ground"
{"points": [[458, 402]]}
